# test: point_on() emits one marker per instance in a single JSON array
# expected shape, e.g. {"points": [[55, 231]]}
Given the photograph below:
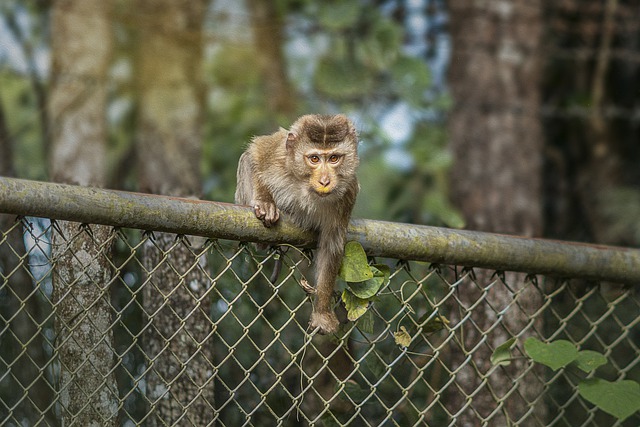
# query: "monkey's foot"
{"points": [[327, 322], [267, 212]]}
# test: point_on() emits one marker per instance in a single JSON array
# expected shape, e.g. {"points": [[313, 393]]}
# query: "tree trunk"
{"points": [[496, 141], [592, 178], [268, 41], [604, 170], [171, 96], [81, 50], [176, 301]]}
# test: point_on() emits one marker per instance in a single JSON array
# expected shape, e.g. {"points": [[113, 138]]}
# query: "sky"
{"points": [[11, 54]]}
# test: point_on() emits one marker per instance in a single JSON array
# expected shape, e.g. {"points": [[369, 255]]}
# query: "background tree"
{"points": [[169, 70], [496, 139], [81, 49], [591, 179], [267, 29], [380, 61]]}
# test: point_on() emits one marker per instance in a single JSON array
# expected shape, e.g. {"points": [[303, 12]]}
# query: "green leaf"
{"points": [[328, 420], [337, 15], [402, 337], [355, 306], [502, 354], [355, 267], [412, 78], [620, 399], [355, 391], [437, 204], [443, 102], [366, 289], [555, 354], [365, 322], [381, 270], [370, 287], [438, 160], [433, 323], [377, 366], [342, 79], [589, 360], [381, 46]]}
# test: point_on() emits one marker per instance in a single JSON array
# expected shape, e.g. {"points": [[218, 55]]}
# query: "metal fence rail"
{"points": [[197, 334]]}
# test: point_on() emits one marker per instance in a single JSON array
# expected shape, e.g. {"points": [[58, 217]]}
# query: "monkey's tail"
{"points": [[277, 266]]}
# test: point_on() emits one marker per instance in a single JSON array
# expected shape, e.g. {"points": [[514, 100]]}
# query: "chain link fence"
{"points": [[134, 327]]}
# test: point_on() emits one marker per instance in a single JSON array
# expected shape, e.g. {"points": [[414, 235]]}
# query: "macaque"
{"points": [[309, 173]]}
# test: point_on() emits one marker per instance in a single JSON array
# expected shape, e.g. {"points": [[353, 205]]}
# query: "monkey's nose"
{"points": [[324, 181]]}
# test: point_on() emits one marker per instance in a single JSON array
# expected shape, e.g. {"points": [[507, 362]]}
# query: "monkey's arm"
{"points": [[263, 204], [251, 191]]}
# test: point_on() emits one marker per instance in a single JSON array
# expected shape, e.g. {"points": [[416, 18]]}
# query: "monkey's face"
{"points": [[323, 166], [323, 152]]}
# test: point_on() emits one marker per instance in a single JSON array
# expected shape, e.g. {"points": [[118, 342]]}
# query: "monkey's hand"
{"points": [[267, 212], [326, 322]]}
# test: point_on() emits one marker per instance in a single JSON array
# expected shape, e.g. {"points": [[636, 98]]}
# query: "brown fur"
{"points": [[309, 173]]}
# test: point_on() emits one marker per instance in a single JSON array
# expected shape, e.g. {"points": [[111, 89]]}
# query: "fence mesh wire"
{"points": [[196, 333]]}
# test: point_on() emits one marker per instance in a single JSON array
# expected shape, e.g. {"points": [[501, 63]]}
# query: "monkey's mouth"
{"points": [[323, 192]]}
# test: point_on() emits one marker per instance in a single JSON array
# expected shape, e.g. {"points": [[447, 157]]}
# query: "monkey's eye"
{"points": [[314, 159], [334, 158]]}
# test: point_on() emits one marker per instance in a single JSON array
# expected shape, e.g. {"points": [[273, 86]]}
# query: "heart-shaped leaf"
{"points": [[370, 287], [502, 354], [620, 399], [433, 322], [355, 391], [355, 267], [355, 306], [555, 355], [365, 322], [589, 360]]}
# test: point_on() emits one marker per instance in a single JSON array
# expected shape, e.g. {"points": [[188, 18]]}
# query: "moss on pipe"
{"points": [[379, 238]]}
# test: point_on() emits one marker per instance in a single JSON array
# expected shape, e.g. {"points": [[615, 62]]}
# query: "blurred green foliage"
{"points": [[352, 60], [23, 122], [340, 56], [355, 63]]}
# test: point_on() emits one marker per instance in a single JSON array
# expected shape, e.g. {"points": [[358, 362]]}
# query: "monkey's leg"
{"points": [[244, 179]]}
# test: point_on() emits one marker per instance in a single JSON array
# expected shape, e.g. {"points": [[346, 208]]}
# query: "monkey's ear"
{"points": [[291, 139], [352, 129]]}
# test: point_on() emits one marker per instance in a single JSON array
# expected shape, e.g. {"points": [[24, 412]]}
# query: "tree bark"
{"points": [[268, 39], [81, 51], [496, 141], [593, 171], [603, 171], [169, 136], [171, 96]]}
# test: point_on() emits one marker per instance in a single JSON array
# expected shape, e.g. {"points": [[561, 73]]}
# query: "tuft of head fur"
{"points": [[324, 129]]}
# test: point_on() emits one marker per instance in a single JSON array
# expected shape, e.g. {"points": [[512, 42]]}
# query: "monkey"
{"points": [[309, 173]]}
